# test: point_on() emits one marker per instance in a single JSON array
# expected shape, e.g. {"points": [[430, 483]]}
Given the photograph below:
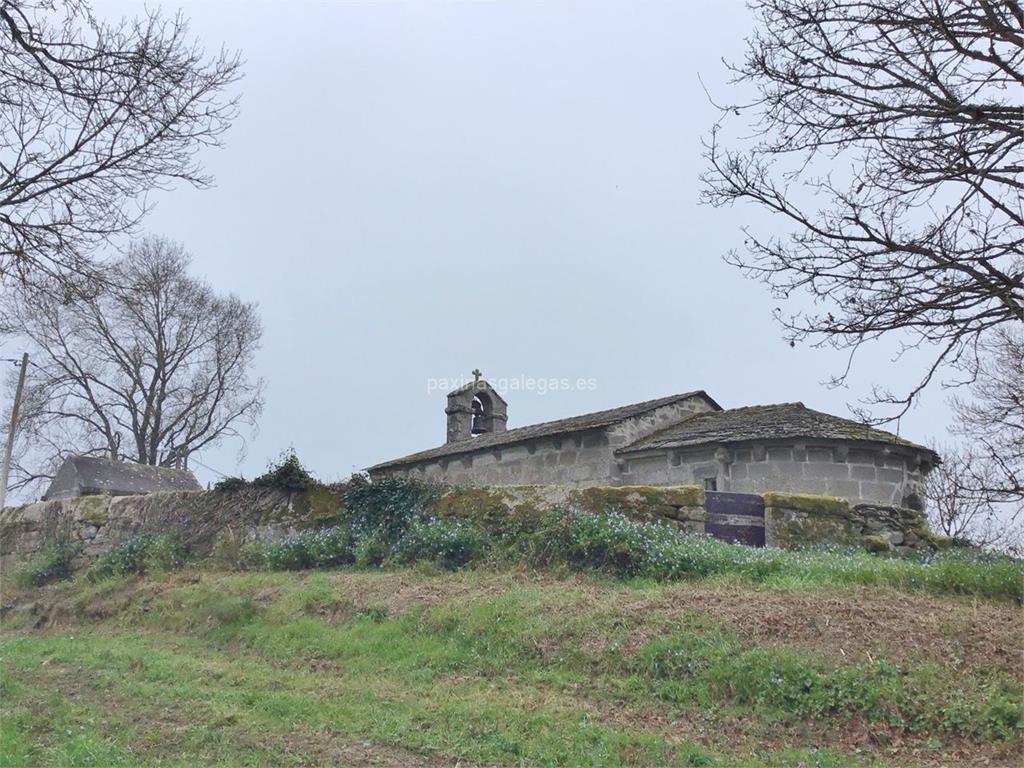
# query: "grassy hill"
{"points": [[507, 665]]}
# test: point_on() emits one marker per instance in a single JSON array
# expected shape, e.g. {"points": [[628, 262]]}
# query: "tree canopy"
{"points": [[150, 364]]}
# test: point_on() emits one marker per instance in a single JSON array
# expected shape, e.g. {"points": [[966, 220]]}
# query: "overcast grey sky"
{"points": [[415, 190]]}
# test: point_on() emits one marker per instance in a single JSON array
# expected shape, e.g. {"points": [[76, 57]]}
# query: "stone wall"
{"points": [[793, 520], [100, 522], [97, 523], [869, 474], [499, 507]]}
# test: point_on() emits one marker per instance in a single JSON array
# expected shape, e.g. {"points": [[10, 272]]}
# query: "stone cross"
{"points": [[476, 375]]}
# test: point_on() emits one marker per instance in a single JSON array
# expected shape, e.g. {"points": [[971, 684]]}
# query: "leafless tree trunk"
{"points": [[888, 139], [149, 364], [92, 117]]}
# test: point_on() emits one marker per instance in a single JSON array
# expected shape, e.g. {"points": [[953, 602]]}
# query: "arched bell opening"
{"points": [[475, 409], [483, 414]]}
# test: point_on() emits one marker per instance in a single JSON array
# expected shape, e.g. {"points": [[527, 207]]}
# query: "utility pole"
{"points": [[10, 433]]}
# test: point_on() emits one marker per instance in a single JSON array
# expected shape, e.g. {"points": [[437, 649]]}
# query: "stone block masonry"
{"points": [[794, 520], [864, 477]]}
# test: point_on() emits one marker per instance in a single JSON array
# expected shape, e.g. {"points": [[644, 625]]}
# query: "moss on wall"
{"points": [[877, 544], [793, 520], [316, 506], [503, 511], [94, 510], [639, 497], [681, 504], [937, 540], [505, 508], [792, 529], [807, 502]]}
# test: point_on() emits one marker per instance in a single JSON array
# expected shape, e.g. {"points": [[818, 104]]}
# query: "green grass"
{"points": [[611, 543], [486, 668]]}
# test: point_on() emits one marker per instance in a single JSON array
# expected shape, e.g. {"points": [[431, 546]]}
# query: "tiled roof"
{"points": [[87, 475], [763, 422], [545, 429]]}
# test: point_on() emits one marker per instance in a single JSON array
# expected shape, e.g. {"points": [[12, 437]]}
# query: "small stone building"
{"points": [[677, 440], [91, 475]]}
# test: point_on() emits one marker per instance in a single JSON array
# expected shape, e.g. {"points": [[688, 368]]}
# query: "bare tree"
{"points": [[889, 138], [991, 417], [92, 117], [957, 509], [151, 365]]}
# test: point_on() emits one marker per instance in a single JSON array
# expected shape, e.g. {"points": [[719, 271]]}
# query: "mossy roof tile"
{"points": [[783, 421]]}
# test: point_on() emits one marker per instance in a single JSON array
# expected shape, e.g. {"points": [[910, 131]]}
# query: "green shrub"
{"points": [[287, 554], [331, 546], [388, 506], [609, 542], [373, 549], [51, 564], [140, 554], [287, 475], [311, 549], [165, 553], [450, 544], [230, 484]]}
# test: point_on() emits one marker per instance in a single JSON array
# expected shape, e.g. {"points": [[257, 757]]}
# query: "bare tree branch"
{"points": [[92, 117], [991, 416], [958, 509], [889, 141]]}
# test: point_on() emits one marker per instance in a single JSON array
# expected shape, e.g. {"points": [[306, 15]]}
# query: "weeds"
{"points": [[140, 554], [615, 544], [53, 563], [714, 667], [450, 544], [311, 549]]}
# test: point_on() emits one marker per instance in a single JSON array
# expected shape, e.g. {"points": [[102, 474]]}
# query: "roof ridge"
{"points": [[648, 403], [765, 405]]}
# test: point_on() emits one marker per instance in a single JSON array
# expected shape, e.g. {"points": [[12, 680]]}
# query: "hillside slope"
{"points": [[414, 667]]}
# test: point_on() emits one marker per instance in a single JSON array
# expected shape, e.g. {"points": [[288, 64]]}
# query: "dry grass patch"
{"points": [[848, 625]]}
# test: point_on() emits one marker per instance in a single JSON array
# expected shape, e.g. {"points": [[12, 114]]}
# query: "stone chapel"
{"points": [[676, 440]]}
